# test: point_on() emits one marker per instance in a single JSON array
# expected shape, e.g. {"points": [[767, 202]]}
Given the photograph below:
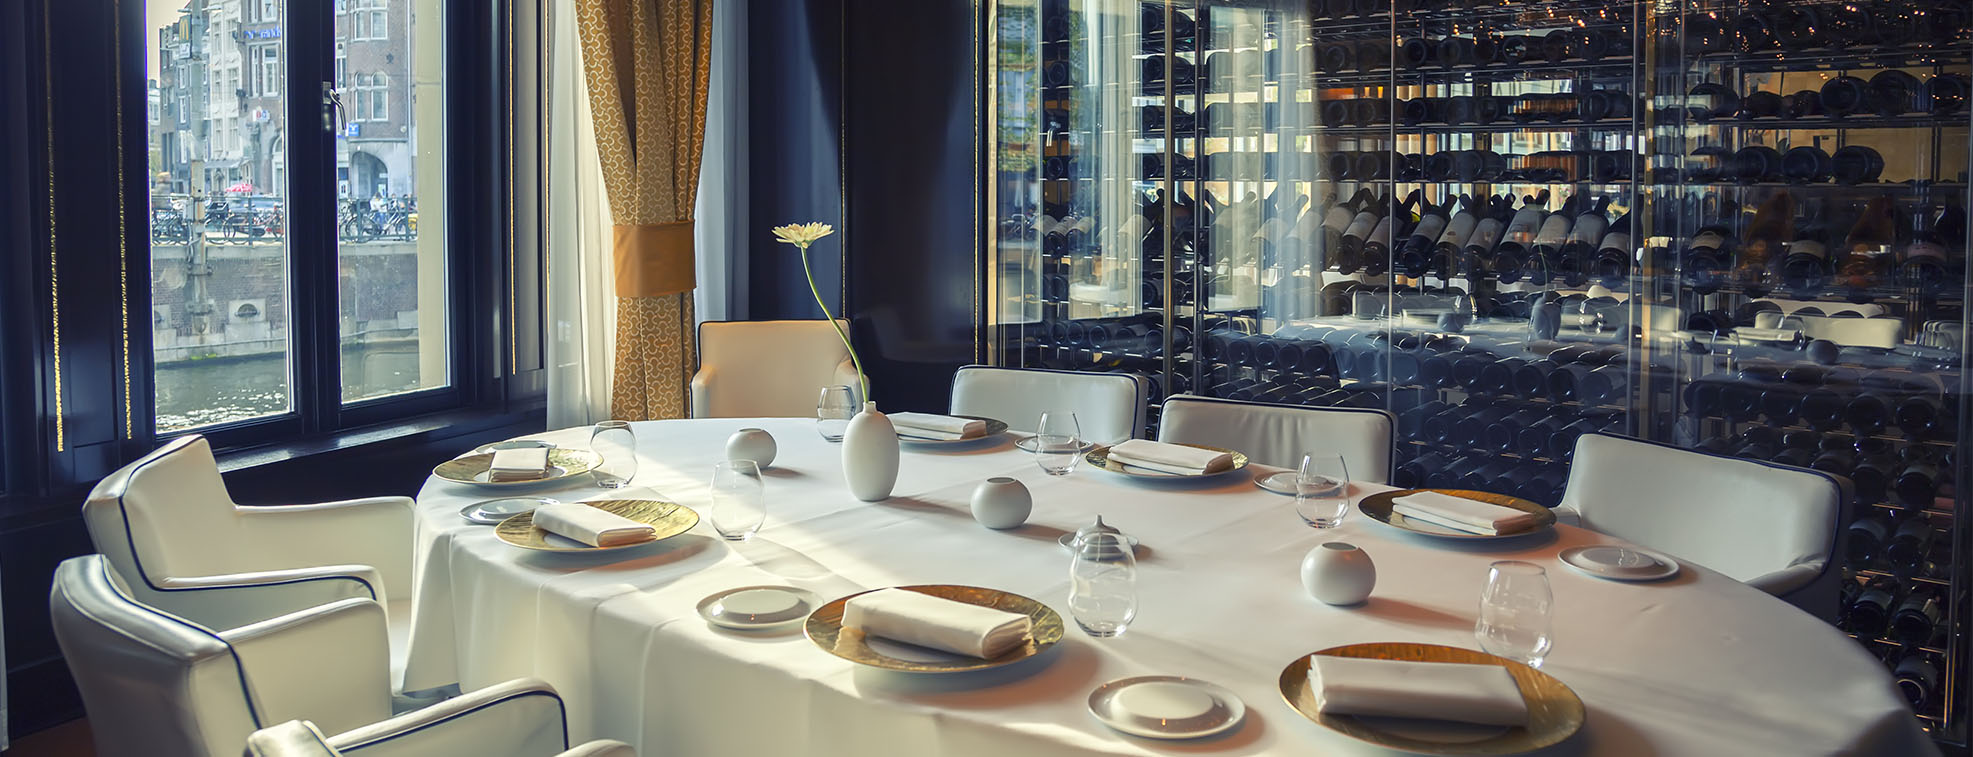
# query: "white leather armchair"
{"points": [[521, 718], [768, 369], [167, 526], [1773, 527], [1277, 435], [1108, 406]]}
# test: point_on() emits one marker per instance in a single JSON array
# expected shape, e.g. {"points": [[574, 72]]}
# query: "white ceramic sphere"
{"points": [[1338, 573], [1002, 502], [751, 444]]}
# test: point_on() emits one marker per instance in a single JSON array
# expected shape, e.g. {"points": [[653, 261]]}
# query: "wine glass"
{"points": [[617, 445], [833, 411], [1322, 489], [1103, 585], [1057, 443], [738, 507], [1515, 611]]}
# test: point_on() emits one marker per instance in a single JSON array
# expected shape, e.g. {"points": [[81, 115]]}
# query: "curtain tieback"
{"points": [[654, 259]]}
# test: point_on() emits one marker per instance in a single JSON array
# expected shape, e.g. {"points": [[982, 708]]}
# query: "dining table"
{"points": [[1695, 664]]}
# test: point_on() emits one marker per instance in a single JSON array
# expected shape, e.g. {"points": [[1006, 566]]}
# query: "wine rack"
{"points": [[1738, 226]]}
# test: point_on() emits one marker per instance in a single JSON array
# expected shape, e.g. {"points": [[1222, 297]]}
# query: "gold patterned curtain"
{"points": [[648, 63]]}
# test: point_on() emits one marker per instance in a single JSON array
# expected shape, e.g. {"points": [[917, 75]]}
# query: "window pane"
{"points": [[390, 169], [219, 255]]}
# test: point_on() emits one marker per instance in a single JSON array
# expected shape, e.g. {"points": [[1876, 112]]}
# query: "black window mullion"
{"points": [[309, 30]]}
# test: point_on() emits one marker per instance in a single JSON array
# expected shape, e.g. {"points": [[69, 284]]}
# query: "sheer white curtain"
{"points": [[581, 289]]}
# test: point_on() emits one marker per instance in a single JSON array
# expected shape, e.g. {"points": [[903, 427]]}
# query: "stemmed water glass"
{"points": [[1322, 489], [738, 506], [1515, 612], [1103, 584], [833, 411], [1057, 443], [617, 445]]}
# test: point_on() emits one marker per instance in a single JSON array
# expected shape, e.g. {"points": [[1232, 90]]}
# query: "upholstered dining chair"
{"points": [[167, 526], [1108, 406], [481, 724], [1277, 435], [768, 369], [1773, 527], [160, 684]]}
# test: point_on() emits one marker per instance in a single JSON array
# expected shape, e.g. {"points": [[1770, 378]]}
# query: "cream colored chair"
{"points": [[1278, 435], [167, 526], [1108, 406], [481, 724], [768, 369], [1772, 527], [161, 684]]}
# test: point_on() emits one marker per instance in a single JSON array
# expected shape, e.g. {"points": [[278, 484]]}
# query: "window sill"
{"points": [[422, 429]]}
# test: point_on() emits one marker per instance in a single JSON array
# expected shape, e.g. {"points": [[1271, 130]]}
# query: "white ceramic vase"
{"points": [[1002, 502], [1338, 573], [870, 454], [751, 444]]}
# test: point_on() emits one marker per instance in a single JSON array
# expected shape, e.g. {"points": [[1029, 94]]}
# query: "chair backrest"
{"points": [[768, 369], [153, 684], [1278, 434], [166, 514], [1108, 406], [1742, 518]]}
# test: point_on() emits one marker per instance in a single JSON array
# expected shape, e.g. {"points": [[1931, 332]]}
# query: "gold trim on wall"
{"points": [[54, 260], [123, 232]]}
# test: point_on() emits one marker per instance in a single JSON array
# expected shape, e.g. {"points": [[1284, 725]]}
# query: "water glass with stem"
{"points": [[1057, 443], [833, 411], [739, 506], [1103, 585], [617, 445], [1516, 612], [1322, 489]]}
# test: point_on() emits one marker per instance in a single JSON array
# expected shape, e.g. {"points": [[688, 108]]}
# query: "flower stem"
{"points": [[863, 381]]}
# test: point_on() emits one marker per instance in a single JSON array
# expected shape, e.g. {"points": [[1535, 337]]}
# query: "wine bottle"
{"points": [[1496, 214], [1924, 266], [1856, 164], [1893, 92], [1349, 246], [1946, 94], [1910, 544], [1923, 416], [1917, 484], [1917, 618], [1806, 165], [1708, 101], [1611, 266], [1377, 248], [1706, 256], [1870, 615], [1517, 238], [1844, 95], [1415, 257], [1867, 260], [1917, 674], [1458, 232], [1764, 244], [1581, 244]]}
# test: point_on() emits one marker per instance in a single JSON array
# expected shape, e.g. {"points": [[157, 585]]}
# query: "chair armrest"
{"points": [[376, 531], [328, 664], [1568, 516], [522, 717], [601, 748], [1787, 579], [702, 393], [238, 599], [295, 738]]}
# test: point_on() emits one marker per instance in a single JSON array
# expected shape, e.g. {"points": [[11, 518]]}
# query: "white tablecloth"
{"points": [[1697, 665]]}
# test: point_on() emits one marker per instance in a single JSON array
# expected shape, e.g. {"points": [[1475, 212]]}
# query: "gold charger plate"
{"points": [[666, 518], [1100, 457], [1554, 711], [993, 428], [825, 628], [1379, 508], [563, 463]]}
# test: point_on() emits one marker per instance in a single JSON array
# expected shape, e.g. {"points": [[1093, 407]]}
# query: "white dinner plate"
{"points": [[513, 444], [1026, 444], [1620, 563], [1166, 707], [1279, 483], [491, 512], [754, 608]]}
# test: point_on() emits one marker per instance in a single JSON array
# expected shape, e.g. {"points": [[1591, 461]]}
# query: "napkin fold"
{"points": [[591, 526], [1462, 514], [934, 426], [1460, 692], [518, 464], [1170, 458], [935, 622]]}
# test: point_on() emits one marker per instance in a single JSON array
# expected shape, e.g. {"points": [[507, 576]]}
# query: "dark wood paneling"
{"points": [[794, 89]]}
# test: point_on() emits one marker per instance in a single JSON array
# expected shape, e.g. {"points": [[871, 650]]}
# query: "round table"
{"points": [[1697, 664]]}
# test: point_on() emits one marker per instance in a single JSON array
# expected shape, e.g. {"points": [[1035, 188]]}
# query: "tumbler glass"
{"points": [[1057, 443], [617, 444], [1515, 612], [833, 411], [1103, 585], [738, 504], [1322, 489]]}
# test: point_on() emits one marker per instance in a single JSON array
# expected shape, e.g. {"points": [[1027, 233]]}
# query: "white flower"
{"points": [[803, 234]]}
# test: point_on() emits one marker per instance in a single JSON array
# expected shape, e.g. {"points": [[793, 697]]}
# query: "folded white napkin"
{"points": [[518, 464], [1462, 514], [1465, 693], [1170, 458], [929, 621], [591, 526], [933, 426]]}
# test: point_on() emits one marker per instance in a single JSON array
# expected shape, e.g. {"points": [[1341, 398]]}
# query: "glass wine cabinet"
{"points": [[1732, 226]]}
